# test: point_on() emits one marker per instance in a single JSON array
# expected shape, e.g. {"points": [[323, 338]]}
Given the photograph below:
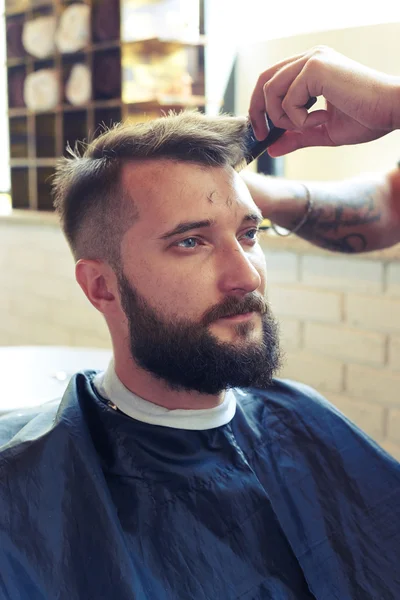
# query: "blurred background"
{"points": [[68, 68]]}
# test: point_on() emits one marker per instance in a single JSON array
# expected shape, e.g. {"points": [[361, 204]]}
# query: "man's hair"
{"points": [[93, 208]]}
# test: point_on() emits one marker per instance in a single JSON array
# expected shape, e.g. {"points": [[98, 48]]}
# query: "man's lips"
{"points": [[238, 318]]}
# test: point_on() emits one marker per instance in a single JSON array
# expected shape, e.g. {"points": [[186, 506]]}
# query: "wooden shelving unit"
{"points": [[38, 139]]}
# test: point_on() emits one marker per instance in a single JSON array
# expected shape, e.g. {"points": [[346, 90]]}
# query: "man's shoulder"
{"points": [[25, 427], [286, 397], [26, 423], [298, 413]]}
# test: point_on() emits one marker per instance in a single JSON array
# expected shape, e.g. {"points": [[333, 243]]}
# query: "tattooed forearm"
{"points": [[342, 226], [354, 215], [349, 244]]}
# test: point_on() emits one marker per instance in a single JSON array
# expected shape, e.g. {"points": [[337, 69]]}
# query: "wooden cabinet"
{"points": [[130, 77]]}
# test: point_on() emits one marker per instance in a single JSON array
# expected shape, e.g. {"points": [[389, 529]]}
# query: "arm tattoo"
{"points": [[341, 226]]}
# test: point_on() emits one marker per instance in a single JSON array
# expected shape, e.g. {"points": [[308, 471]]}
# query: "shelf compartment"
{"points": [[45, 138], [106, 117], [44, 196], [18, 128], [20, 187], [75, 128], [106, 74]]}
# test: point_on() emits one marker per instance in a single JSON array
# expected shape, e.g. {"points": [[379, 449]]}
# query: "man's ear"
{"points": [[99, 284]]}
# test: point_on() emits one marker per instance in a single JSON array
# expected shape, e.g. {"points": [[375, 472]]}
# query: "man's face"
{"points": [[194, 279]]}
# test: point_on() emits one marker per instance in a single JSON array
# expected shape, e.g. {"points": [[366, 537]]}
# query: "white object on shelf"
{"points": [[42, 90], [73, 32], [38, 36], [78, 89]]}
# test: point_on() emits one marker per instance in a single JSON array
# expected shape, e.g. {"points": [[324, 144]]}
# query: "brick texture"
{"points": [[394, 426], [394, 352], [290, 333], [373, 312], [282, 267], [320, 372], [393, 279], [303, 303], [345, 343], [342, 273], [376, 385]]}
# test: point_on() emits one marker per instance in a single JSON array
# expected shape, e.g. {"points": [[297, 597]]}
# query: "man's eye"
{"points": [[188, 243], [252, 234]]}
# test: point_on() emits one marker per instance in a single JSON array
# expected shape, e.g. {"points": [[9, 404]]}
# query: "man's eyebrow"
{"points": [[257, 218], [186, 226]]}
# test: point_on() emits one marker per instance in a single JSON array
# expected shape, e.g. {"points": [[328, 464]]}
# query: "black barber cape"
{"points": [[287, 501]]}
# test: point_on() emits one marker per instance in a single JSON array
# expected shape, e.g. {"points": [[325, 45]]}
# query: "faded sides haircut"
{"points": [[95, 211]]}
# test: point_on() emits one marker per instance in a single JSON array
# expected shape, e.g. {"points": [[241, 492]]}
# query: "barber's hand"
{"points": [[361, 104]]}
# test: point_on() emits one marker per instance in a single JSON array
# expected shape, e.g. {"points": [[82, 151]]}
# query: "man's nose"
{"points": [[238, 273]]}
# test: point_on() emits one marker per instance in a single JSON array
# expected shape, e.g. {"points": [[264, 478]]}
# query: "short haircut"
{"points": [[93, 208]]}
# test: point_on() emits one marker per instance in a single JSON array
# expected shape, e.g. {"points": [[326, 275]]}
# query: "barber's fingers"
{"points": [[305, 71], [315, 118], [257, 103], [287, 92], [294, 140]]}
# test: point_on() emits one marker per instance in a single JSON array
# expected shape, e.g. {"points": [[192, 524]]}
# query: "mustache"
{"points": [[235, 306]]}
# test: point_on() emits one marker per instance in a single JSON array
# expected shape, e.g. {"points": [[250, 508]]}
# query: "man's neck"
{"points": [[157, 391]]}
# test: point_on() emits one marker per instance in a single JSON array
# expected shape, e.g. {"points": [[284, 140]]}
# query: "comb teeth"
{"points": [[254, 147]]}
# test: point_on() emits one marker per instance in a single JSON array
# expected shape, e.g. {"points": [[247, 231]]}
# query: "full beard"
{"points": [[187, 356]]}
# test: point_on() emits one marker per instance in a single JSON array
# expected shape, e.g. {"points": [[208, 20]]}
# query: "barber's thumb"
{"points": [[315, 118]]}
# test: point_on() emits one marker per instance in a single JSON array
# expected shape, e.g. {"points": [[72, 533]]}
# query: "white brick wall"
{"points": [[283, 267], [339, 316], [393, 432], [346, 343], [346, 273], [290, 333], [394, 352], [322, 373], [304, 303], [40, 301], [393, 279], [375, 385], [373, 312]]}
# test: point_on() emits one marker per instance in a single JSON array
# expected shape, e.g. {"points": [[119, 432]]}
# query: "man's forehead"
{"points": [[171, 185], [164, 170], [139, 174]]}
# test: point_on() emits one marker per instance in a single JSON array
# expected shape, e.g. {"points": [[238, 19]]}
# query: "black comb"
{"points": [[254, 147]]}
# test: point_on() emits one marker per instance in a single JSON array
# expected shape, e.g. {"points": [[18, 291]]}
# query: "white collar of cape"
{"points": [[111, 388]]}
